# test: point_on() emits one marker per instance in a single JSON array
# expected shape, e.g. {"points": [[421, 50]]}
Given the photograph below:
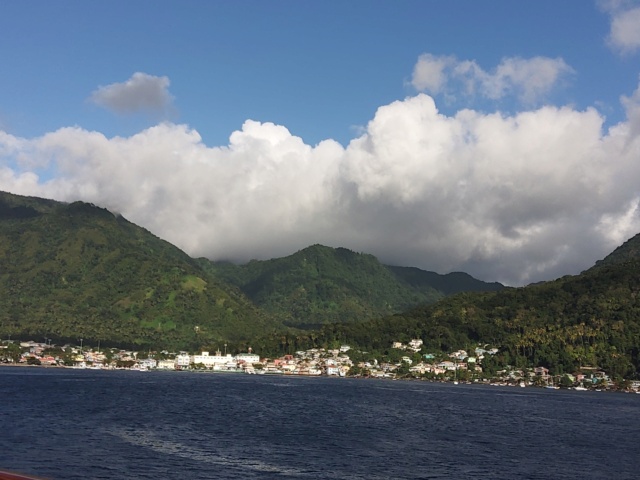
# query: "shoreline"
{"points": [[483, 383]]}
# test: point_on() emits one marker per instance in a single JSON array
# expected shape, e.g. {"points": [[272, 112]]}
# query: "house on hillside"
{"points": [[447, 365], [541, 372], [459, 355]]}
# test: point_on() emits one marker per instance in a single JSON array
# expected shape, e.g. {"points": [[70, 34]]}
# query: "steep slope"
{"points": [[628, 251], [319, 285], [590, 319], [72, 271]]}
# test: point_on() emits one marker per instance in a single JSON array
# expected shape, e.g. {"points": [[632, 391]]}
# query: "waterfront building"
{"points": [[216, 361], [248, 358], [147, 363], [182, 361], [166, 365]]}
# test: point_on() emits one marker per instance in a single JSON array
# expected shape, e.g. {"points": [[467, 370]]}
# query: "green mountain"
{"points": [[591, 319], [629, 251], [446, 285], [320, 285], [70, 271]]}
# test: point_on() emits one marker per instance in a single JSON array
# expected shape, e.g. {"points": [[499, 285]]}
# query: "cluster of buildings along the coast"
{"points": [[409, 362], [311, 362]]}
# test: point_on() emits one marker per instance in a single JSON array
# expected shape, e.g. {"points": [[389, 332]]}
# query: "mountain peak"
{"points": [[627, 252]]}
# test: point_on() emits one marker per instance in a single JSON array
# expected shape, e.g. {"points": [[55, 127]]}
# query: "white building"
{"points": [[447, 365], [216, 361], [248, 358], [182, 361], [148, 363], [166, 364], [459, 355]]}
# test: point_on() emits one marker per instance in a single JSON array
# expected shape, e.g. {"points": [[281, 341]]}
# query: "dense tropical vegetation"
{"points": [[78, 271], [592, 319], [70, 271], [320, 285]]}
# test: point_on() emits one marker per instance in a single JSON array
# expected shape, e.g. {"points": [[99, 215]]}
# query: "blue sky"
{"points": [[377, 115], [319, 68]]}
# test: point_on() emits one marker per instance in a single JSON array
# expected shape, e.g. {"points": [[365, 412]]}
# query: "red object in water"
{"points": [[4, 475]]}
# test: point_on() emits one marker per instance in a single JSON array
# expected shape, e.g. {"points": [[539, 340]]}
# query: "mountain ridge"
{"points": [[590, 320], [78, 270], [320, 284], [628, 251]]}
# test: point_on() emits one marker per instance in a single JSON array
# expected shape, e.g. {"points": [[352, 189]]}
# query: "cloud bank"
{"points": [[530, 80], [513, 198], [141, 93]]}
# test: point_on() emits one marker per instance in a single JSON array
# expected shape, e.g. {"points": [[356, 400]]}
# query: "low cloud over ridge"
{"points": [[516, 199]]}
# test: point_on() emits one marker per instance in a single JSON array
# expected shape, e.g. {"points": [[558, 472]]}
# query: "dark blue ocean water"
{"points": [[82, 424]]}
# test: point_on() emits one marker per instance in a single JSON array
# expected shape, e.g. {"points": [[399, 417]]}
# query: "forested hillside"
{"points": [[592, 319], [629, 251], [79, 271], [320, 285], [71, 271], [445, 285]]}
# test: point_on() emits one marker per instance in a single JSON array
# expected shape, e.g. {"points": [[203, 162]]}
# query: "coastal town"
{"points": [[412, 363]]}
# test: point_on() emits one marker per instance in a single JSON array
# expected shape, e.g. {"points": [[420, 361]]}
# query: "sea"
{"points": [[92, 424]]}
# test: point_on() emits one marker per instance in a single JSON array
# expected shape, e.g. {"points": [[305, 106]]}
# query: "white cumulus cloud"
{"points": [[624, 35], [513, 198], [530, 79], [429, 72], [142, 92]]}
